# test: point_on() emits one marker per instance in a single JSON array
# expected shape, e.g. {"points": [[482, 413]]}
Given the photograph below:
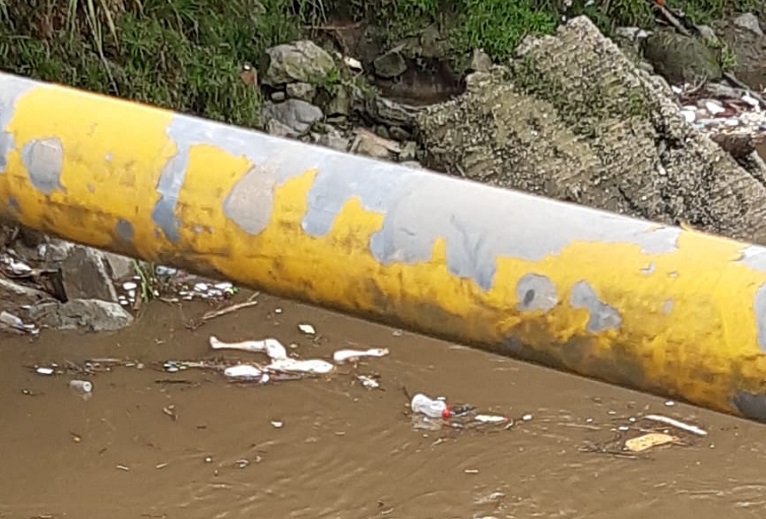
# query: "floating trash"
{"points": [[45, 371], [648, 441], [84, 387], [341, 356], [307, 329], [271, 347], [677, 424], [368, 382], [311, 366], [488, 418], [432, 408], [246, 372]]}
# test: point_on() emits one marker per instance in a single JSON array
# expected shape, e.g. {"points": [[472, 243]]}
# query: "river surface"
{"points": [[151, 444]]}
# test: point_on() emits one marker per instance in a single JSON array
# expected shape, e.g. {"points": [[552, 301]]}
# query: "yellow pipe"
{"points": [[648, 306]]}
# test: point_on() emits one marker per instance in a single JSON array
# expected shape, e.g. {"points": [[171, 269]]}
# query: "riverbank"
{"points": [[189, 56]]}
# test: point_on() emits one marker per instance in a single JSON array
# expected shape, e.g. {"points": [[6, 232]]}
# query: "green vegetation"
{"points": [[188, 54], [181, 54]]}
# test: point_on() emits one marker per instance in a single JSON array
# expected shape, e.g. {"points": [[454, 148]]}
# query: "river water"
{"points": [[151, 444]]}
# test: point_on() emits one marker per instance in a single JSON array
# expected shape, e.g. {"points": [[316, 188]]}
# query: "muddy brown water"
{"points": [[343, 451]]}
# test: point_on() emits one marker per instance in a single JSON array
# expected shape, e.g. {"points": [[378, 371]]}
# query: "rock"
{"points": [[748, 21], [480, 61], [278, 96], [385, 111], [681, 59], [371, 145], [399, 134], [340, 104], [335, 142], [574, 119], [709, 35], [274, 127], [749, 48], [295, 114], [409, 151], [302, 91], [85, 274], [20, 295], [389, 65], [85, 314], [120, 267], [382, 131], [301, 61]]}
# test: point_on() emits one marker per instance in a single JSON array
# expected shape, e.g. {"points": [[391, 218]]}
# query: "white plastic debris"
{"points": [[342, 356], [44, 371], [307, 329], [527, 417], [271, 347], [310, 366], [19, 268], [130, 285], [490, 418], [714, 108], [277, 424], [368, 382], [81, 386], [751, 100], [246, 372], [429, 407]]}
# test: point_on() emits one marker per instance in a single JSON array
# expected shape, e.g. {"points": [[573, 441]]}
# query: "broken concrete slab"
{"points": [[573, 118]]}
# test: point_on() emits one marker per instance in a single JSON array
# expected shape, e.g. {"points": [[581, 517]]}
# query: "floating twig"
{"points": [[677, 424], [207, 316]]}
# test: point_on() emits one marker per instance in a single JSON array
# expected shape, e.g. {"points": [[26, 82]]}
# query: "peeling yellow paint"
{"points": [[704, 349]]}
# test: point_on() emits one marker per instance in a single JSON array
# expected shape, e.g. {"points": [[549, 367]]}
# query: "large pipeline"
{"points": [[643, 305]]}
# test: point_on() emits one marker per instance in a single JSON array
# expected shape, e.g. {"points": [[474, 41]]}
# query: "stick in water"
{"points": [[677, 424]]}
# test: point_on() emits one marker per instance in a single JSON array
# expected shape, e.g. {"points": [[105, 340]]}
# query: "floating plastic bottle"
{"points": [[429, 407]]}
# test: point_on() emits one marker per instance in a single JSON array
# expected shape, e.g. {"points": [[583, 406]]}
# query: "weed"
{"points": [[727, 58]]}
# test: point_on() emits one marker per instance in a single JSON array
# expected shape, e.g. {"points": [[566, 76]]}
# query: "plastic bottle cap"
{"points": [[446, 413]]}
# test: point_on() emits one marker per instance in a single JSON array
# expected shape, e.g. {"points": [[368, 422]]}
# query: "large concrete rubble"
{"points": [[573, 118]]}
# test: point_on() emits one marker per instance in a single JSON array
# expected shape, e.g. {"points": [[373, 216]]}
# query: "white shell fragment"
{"points": [[271, 347], [342, 356]]}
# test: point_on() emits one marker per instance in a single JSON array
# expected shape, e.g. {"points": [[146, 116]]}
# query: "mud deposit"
{"points": [[152, 444]]}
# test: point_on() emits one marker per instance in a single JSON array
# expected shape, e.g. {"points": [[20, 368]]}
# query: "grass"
{"points": [[187, 55]]}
